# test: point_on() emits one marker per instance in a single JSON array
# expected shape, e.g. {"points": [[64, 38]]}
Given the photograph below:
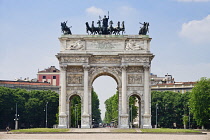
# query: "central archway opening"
{"points": [[106, 89]]}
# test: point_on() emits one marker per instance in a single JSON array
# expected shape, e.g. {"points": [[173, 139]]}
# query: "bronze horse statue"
{"points": [[65, 29], [143, 30], [88, 29], [116, 30]]}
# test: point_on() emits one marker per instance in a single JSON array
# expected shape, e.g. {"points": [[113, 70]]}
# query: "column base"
{"points": [[147, 126], [85, 126], [62, 120], [123, 126], [147, 121], [123, 121], [85, 121], [62, 126]]}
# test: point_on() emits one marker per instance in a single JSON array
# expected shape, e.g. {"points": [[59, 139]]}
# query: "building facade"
{"points": [[50, 75], [28, 85]]}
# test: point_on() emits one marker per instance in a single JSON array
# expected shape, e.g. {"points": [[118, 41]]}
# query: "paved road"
{"points": [[103, 136]]}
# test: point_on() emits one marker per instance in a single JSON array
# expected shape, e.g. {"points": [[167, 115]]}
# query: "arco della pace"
{"points": [[126, 58]]}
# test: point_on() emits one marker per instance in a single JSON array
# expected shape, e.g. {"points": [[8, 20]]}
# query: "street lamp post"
{"points": [[76, 114], [189, 118], [93, 123], [16, 118], [46, 114], [131, 120], [156, 115]]}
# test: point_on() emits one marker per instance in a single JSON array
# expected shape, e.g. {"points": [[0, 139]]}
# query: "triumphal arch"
{"points": [[126, 58]]}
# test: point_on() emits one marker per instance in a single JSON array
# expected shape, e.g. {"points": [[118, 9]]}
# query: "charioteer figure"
{"points": [[105, 22], [143, 30], [65, 29], [105, 27]]}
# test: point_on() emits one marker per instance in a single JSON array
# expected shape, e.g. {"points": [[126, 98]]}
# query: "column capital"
{"points": [[146, 66], [63, 67], [86, 67], [124, 67]]}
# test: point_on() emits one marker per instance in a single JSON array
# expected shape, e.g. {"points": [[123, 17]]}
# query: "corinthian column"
{"points": [[85, 123], [62, 114], [86, 110], [124, 90], [147, 112], [124, 115]]}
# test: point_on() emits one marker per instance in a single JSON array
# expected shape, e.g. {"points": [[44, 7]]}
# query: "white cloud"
{"points": [[95, 11], [196, 30], [193, 0], [126, 10]]}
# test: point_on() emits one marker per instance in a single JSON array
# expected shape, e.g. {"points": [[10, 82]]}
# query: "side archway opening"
{"points": [[135, 111], [75, 111]]}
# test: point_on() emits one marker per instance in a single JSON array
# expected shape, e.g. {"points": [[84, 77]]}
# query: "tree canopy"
{"points": [[31, 107], [200, 102], [171, 107]]}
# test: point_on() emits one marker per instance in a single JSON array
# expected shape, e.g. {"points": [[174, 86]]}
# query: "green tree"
{"points": [[75, 111], [171, 108], [30, 106], [96, 112], [200, 102], [111, 113]]}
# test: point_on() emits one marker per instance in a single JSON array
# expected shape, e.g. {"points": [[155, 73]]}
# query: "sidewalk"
{"points": [[91, 130]]}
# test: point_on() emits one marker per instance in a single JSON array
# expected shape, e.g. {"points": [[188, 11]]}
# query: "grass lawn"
{"points": [[41, 130], [167, 130], [123, 130]]}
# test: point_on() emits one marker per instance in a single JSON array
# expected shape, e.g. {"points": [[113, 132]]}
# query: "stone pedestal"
{"points": [[147, 121], [124, 121], [62, 121], [85, 121]]}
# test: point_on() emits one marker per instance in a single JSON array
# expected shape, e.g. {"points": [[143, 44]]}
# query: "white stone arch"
{"points": [[105, 55], [114, 73], [108, 72]]}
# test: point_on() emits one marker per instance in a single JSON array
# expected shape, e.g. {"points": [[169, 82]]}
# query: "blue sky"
{"points": [[180, 32]]}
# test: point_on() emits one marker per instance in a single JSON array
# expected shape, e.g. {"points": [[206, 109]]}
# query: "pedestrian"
{"points": [[7, 129]]}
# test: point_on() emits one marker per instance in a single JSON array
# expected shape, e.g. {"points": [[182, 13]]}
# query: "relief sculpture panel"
{"points": [[73, 59], [75, 79], [75, 69], [103, 60], [134, 79], [135, 69], [75, 45]]}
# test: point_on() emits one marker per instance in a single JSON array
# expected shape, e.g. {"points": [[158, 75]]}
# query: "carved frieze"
{"points": [[75, 45], [135, 88], [74, 69], [74, 88], [135, 69], [75, 79], [74, 59], [105, 60], [136, 59], [115, 70], [105, 45], [134, 45], [134, 79]]}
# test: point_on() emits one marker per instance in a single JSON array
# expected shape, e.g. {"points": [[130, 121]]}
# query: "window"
{"points": [[54, 77], [43, 77]]}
